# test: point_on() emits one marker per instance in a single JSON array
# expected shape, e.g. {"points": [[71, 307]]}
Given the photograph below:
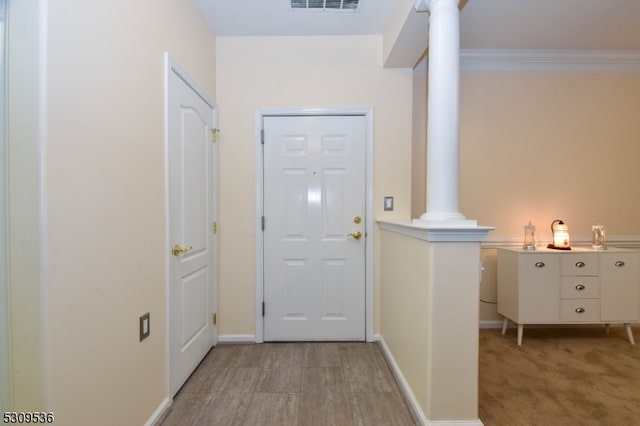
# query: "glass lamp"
{"points": [[560, 233]]}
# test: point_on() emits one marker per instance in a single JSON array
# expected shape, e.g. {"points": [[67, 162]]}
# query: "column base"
{"points": [[430, 220]]}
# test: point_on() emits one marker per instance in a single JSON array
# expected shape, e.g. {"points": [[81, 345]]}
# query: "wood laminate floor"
{"points": [[291, 384]]}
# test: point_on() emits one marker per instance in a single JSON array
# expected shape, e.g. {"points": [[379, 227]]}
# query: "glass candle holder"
{"points": [[599, 239], [529, 237]]}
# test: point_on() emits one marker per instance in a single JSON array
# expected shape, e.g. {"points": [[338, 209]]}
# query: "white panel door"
{"points": [[314, 234], [192, 262]]}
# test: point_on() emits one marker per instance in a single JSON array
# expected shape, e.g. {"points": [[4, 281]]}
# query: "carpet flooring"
{"points": [[559, 376]]}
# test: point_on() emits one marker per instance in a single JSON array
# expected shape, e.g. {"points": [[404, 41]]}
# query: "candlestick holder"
{"points": [[599, 239], [529, 237]]}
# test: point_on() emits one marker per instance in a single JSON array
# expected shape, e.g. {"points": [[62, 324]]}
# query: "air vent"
{"points": [[327, 5]]}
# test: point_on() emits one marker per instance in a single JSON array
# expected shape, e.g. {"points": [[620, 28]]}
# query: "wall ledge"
{"points": [[445, 233], [632, 241]]}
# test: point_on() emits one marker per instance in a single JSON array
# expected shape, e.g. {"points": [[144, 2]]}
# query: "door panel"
{"points": [[314, 188], [191, 213]]}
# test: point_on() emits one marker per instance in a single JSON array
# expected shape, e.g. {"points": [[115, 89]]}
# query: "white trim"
{"points": [[43, 19], [545, 61], [410, 398], [170, 65], [5, 308], [491, 324], [367, 112], [168, 61], [632, 241], [436, 233], [511, 61], [237, 338], [159, 414]]}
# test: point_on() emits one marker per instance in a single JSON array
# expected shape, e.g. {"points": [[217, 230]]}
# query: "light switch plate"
{"points": [[145, 326], [388, 204]]}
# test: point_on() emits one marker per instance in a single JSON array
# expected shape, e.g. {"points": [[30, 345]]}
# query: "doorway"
{"points": [[315, 240]]}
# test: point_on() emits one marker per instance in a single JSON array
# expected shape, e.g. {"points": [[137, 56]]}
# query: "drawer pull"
{"points": [[580, 310], [580, 287], [580, 264], [539, 264], [619, 263]]}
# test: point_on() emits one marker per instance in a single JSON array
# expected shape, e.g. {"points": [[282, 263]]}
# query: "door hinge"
{"points": [[214, 135], [262, 308], [214, 227], [262, 136], [263, 220], [214, 320]]}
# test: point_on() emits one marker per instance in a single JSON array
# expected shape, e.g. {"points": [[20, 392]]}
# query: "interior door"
{"points": [[314, 227], [191, 214]]}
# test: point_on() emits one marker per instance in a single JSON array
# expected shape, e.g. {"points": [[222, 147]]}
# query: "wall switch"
{"points": [[388, 204], [145, 323]]}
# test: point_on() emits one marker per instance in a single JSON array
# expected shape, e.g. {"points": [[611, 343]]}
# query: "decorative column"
{"points": [[443, 110], [430, 267]]}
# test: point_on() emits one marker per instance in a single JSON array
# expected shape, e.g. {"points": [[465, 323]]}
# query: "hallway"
{"points": [[291, 384]]}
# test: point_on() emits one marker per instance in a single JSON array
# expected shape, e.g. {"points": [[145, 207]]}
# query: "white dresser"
{"points": [[577, 286]]}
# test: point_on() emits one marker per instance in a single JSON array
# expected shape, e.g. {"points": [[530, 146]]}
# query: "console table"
{"points": [[578, 286]]}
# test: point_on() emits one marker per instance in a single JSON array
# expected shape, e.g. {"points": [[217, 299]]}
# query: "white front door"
{"points": [[191, 213], [314, 227]]}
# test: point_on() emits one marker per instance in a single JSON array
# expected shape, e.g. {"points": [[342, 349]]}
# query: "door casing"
{"points": [[367, 112]]}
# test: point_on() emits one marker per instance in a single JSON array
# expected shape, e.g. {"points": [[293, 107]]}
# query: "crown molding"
{"points": [[534, 61]]}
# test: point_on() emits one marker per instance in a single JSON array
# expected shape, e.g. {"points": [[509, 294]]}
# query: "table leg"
{"points": [[627, 327], [520, 330], [505, 323], [607, 328]]}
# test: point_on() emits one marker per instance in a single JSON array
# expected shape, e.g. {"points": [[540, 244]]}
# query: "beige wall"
{"points": [[429, 314], [284, 72], [103, 207], [541, 147], [404, 303]]}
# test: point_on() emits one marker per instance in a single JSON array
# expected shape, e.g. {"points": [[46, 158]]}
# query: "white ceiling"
{"points": [[276, 18], [484, 24]]}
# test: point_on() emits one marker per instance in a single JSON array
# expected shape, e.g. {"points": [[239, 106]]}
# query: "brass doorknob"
{"points": [[355, 235], [177, 250]]}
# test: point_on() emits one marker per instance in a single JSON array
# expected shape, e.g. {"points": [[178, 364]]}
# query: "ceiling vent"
{"points": [[326, 5]]}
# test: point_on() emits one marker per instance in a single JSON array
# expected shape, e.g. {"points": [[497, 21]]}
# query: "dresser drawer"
{"points": [[577, 310], [579, 287], [580, 264]]}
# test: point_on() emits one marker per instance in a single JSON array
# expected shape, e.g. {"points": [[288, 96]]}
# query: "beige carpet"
{"points": [[567, 376]]}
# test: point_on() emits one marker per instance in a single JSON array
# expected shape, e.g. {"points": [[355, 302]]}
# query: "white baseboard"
{"points": [[158, 415], [414, 406], [397, 373], [237, 338], [491, 324]]}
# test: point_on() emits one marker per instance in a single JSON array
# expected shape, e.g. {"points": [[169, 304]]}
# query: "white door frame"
{"points": [[170, 65], [369, 221], [5, 317]]}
